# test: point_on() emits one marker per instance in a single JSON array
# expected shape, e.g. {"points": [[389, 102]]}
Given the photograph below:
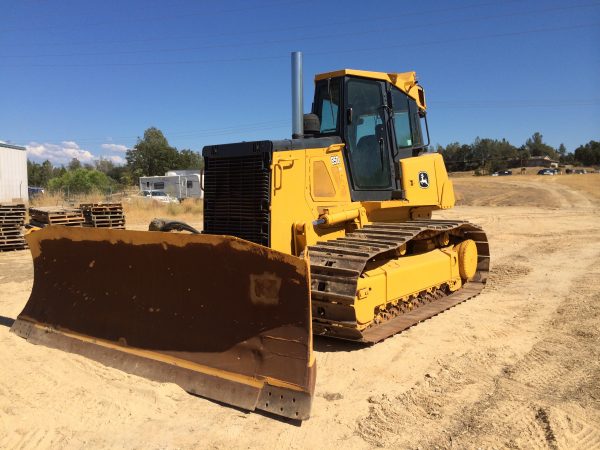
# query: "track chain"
{"points": [[336, 266]]}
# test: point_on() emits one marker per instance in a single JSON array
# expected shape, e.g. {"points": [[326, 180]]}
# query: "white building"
{"points": [[13, 173], [179, 184]]}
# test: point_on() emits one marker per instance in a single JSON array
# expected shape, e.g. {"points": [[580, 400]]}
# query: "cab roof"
{"points": [[405, 81]]}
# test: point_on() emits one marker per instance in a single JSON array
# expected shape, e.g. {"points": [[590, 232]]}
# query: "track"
{"points": [[337, 265]]}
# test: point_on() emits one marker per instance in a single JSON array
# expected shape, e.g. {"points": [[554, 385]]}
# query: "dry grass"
{"points": [[529, 190], [588, 184], [58, 199], [138, 211]]}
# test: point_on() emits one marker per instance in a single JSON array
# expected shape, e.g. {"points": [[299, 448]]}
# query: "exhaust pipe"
{"points": [[297, 97]]}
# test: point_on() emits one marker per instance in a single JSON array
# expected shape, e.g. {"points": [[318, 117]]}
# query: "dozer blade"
{"points": [[221, 317]]}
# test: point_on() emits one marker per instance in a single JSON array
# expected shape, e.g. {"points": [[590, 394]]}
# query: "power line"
{"points": [[336, 35], [163, 18], [258, 126], [331, 52], [287, 28], [465, 39], [279, 124], [495, 104]]}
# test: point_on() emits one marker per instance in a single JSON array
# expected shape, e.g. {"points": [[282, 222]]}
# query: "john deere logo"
{"points": [[423, 180]]}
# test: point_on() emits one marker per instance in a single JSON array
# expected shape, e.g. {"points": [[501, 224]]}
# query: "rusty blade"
{"points": [[222, 317]]}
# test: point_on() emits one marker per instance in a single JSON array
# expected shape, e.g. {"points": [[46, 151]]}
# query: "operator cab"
{"points": [[378, 116]]}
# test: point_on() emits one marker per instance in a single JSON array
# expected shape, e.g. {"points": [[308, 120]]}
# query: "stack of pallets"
{"points": [[103, 215], [12, 219], [40, 216]]}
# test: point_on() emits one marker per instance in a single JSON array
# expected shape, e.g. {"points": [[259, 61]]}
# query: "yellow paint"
{"points": [[467, 258], [405, 81], [432, 165], [321, 181], [297, 200], [309, 185], [401, 278], [178, 362], [312, 184]]}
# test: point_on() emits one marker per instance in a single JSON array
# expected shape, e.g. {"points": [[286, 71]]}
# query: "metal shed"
{"points": [[13, 173]]}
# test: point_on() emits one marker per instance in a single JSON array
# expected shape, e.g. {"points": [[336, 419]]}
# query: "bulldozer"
{"points": [[329, 233]]}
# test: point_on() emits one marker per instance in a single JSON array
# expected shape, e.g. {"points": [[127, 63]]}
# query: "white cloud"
{"points": [[58, 153], [114, 147], [118, 160]]}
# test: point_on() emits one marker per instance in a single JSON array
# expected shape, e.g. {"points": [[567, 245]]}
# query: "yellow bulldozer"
{"points": [[329, 233]]}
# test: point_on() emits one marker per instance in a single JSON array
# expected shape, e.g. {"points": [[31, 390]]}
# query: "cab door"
{"points": [[368, 139]]}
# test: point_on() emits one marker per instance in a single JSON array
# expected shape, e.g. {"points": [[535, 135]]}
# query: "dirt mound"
{"points": [[561, 191]]}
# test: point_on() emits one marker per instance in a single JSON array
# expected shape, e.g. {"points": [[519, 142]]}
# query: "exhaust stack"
{"points": [[297, 96]]}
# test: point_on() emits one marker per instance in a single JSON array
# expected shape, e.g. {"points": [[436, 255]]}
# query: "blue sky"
{"points": [[85, 79]]}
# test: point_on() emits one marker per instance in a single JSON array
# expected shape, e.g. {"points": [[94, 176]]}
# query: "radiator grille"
{"points": [[237, 196]]}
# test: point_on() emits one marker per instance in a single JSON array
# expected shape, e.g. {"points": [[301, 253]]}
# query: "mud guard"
{"points": [[221, 317]]}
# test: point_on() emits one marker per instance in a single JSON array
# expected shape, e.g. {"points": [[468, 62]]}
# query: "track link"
{"points": [[336, 266]]}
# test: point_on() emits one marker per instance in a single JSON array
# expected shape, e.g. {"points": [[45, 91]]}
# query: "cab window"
{"points": [[401, 119], [366, 139], [327, 105], [407, 124]]}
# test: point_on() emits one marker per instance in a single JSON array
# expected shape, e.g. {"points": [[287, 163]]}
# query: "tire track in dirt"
{"points": [[554, 373], [540, 401], [501, 370]]}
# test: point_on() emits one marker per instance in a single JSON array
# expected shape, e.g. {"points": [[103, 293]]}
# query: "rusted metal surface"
{"points": [[336, 266], [222, 317]]}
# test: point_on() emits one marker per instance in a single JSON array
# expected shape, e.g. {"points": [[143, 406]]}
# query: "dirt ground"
{"points": [[516, 367]]}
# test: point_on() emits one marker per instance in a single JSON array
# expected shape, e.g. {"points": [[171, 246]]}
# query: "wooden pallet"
{"points": [[103, 215], [16, 207], [8, 248], [101, 207], [52, 215], [11, 237], [12, 214]]}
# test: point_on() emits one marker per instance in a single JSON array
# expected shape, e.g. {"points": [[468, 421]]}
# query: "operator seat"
{"points": [[366, 160]]}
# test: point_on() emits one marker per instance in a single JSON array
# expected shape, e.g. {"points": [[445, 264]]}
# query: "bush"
{"points": [[81, 181]]}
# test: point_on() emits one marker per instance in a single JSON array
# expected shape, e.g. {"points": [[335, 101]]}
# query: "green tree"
{"points": [[189, 159], [34, 173], [104, 165], [46, 173], [458, 157], [588, 154], [81, 181], [485, 155], [74, 164], [58, 172], [494, 154], [536, 147], [151, 155]]}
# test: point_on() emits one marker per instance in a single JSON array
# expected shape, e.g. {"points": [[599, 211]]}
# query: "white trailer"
{"points": [[13, 173], [177, 184]]}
